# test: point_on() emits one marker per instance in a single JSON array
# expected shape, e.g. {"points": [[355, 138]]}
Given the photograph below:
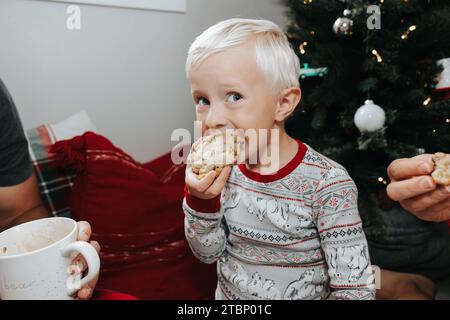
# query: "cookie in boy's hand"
{"points": [[214, 152], [441, 173]]}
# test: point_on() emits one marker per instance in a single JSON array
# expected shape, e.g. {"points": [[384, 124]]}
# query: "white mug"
{"points": [[35, 260]]}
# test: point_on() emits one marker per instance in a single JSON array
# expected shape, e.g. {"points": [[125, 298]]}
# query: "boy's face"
{"points": [[230, 92]]}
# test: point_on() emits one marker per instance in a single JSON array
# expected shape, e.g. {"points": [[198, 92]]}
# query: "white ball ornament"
{"points": [[343, 26], [369, 117], [444, 77]]}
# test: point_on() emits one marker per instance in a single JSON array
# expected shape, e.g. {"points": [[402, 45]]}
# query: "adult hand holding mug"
{"points": [[36, 260]]}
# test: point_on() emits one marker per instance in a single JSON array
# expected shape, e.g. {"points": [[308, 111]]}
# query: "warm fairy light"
{"points": [[381, 1], [376, 54], [302, 47], [447, 120], [380, 179], [312, 32], [307, 1], [427, 101], [434, 131], [405, 35]]}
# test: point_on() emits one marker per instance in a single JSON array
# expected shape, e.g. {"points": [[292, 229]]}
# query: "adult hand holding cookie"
{"points": [[419, 184]]}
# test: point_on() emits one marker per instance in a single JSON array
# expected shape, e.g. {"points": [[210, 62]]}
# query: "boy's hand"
{"points": [[412, 185], [209, 186], [84, 234]]}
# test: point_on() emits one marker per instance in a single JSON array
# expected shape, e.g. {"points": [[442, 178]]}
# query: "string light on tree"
{"points": [[377, 55], [405, 35], [369, 117], [427, 101], [302, 47]]}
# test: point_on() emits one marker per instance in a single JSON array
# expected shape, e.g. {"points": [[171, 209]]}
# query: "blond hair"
{"points": [[274, 55]]}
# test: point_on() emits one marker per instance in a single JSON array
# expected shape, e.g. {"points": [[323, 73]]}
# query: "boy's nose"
{"points": [[216, 118]]}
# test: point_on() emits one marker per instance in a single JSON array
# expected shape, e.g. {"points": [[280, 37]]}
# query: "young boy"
{"points": [[294, 233]]}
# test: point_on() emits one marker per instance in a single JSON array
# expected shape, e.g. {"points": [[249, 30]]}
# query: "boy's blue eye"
{"points": [[234, 97], [203, 102]]}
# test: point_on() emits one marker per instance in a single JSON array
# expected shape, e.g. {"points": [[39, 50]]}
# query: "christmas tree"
{"points": [[353, 51]]}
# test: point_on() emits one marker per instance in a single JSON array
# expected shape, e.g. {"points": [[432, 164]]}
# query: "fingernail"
{"points": [[424, 168], [426, 183]]}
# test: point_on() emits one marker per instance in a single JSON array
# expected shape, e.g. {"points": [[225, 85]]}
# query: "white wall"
{"points": [[124, 67]]}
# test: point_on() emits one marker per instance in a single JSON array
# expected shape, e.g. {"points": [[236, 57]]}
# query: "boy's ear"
{"points": [[287, 101]]}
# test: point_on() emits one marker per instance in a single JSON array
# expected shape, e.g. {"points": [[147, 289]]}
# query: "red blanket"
{"points": [[136, 216]]}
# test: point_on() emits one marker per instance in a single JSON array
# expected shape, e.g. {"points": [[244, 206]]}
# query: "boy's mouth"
{"points": [[217, 132]]}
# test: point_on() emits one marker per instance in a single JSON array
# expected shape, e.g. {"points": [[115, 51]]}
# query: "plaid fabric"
{"points": [[55, 184]]}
